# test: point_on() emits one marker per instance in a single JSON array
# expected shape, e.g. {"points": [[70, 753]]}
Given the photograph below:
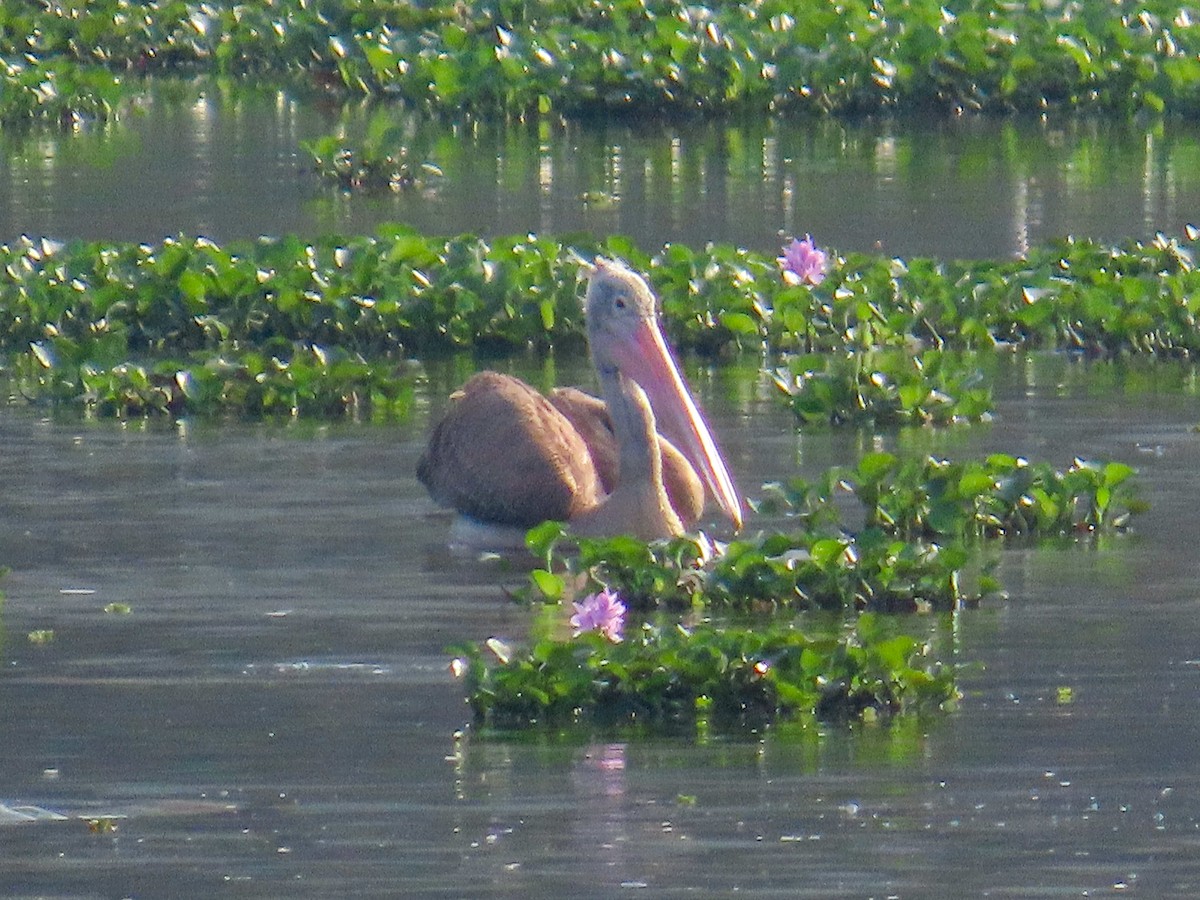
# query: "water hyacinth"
{"points": [[727, 677], [802, 262], [603, 612]]}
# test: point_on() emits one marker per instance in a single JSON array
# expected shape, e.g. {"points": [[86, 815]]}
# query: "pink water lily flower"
{"points": [[603, 612], [802, 262]]}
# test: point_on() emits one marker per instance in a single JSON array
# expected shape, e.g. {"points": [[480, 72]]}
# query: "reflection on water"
{"points": [[229, 164], [274, 717]]}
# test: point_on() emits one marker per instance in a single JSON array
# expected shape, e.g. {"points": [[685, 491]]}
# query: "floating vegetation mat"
{"points": [[328, 327], [926, 526], [664, 674], [63, 60], [1001, 496]]}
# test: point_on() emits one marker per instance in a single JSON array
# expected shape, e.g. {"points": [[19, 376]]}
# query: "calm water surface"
{"points": [[275, 718], [230, 165]]}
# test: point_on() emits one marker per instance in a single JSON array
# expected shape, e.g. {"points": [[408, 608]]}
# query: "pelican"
{"points": [[505, 455]]}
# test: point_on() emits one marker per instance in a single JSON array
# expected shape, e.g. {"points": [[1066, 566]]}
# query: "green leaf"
{"points": [[551, 585]]}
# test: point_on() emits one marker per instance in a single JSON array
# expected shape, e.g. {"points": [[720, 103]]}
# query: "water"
{"points": [[275, 717], [229, 164]]}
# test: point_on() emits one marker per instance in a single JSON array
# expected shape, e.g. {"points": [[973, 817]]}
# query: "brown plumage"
{"points": [[504, 454], [531, 466]]}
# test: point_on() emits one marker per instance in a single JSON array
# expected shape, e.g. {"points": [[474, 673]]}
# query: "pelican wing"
{"points": [[589, 417], [503, 454]]}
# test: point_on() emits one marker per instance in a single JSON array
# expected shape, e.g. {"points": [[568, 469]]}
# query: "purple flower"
{"points": [[603, 612], [802, 262]]}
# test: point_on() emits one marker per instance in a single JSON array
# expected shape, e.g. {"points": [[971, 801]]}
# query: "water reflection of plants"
{"points": [[383, 158]]}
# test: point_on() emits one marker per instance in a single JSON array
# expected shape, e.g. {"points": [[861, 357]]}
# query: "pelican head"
{"points": [[625, 339]]}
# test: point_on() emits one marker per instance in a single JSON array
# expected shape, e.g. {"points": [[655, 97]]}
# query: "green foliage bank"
{"points": [[512, 57]]}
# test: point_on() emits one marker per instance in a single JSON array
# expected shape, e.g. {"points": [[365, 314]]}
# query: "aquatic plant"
{"points": [[85, 308], [403, 290], [806, 568], [365, 168], [885, 388], [379, 160], [1001, 496], [602, 612], [288, 380], [802, 262], [908, 550], [668, 675], [501, 59], [370, 295], [62, 91]]}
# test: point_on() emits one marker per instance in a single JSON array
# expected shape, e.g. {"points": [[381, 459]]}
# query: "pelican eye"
{"points": [[619, 303]]}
